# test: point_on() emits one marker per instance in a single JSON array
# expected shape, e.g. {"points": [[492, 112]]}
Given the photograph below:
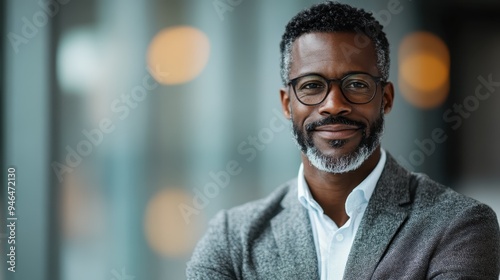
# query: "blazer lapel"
{"points": [[293, 235], [386, 211]]}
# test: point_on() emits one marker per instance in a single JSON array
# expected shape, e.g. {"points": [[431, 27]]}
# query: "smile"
{"points": [[337, 131]]}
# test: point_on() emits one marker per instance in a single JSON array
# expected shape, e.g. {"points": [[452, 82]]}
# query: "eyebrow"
{"points": [[343, 75]]}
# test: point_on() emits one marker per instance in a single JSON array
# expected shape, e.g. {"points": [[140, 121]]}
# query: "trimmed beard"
{"points": [[345, 163]]}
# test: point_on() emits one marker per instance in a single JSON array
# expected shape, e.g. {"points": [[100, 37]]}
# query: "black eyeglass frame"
{"points": [[293, 83]]}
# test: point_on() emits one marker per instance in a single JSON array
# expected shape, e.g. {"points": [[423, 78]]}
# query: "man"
{"points": [[352, 212]]}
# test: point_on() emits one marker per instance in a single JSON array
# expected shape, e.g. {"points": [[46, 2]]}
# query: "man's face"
{"points": [[335, 135]]}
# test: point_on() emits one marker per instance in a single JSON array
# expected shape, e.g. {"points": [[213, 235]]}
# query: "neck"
{"points": [[330, 190]]}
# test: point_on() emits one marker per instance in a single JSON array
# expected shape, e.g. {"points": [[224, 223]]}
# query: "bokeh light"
{"points": [[167, 232], [424, 69], [82, 213], [177, 55], [78, 60]]}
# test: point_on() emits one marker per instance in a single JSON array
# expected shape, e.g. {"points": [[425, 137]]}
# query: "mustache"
{"points": [[333, 120]]}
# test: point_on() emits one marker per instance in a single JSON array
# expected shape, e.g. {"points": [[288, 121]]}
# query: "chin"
{"points": [[339, 160], [335, 148]]}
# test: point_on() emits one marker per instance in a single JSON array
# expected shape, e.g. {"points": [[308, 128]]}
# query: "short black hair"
{"points": [[332, 16]]}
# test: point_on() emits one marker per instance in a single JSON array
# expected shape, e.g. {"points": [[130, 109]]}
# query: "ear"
{"points": [[388, 97], [285, 102]]}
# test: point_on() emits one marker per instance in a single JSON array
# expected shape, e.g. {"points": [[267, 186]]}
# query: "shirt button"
{"points": [[339, 237]]}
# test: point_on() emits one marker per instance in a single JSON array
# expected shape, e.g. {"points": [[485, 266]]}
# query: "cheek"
{"points": [[370, 113], [299, 113], [376, 106]]}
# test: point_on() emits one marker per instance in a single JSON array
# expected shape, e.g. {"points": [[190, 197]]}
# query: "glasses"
{"points": [[357, 88]]}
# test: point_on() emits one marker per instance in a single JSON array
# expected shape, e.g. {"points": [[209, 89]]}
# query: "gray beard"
{"points": [[345, 163]]}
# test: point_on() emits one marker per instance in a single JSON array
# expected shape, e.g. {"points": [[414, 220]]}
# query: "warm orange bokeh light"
{"points": [[177, 55], [167, 232], [424, 69], [82, 210]]}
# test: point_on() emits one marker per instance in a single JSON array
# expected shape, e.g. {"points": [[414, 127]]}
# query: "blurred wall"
{"points": [[26, 137]]}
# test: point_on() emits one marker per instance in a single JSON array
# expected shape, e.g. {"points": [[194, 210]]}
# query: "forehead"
{"points": [[333, 54]]}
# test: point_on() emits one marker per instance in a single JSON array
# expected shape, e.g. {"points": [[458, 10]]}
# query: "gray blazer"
{"points": [[413, 228]]}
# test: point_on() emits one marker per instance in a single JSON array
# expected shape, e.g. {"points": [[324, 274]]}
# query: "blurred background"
{"points": [[131, 123]]}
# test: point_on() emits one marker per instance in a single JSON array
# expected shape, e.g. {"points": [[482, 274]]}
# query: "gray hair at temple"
{"points": [[334, 17]]}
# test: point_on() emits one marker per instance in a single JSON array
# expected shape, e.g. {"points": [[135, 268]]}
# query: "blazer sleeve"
{"points": [[212, 257], [470, 247]]}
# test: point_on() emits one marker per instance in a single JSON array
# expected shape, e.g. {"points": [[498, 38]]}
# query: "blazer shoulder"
{"points": [[220, 252], [431, 194], [460, 226], [254, 214]]}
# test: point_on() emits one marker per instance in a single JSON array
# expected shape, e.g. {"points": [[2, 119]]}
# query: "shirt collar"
{"points": [[359, 195]]}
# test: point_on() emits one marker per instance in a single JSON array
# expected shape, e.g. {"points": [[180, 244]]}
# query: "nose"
{"points": [[335, 103]]}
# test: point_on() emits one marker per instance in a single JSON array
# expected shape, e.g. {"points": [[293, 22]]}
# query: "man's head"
{"points": [[335, 17], [335, 63]]}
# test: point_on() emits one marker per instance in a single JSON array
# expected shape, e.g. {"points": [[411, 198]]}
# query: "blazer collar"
{"points": [[293, 234], [386, 211]]}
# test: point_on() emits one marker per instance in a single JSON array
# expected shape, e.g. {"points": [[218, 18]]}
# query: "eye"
{"points": [[356, 85], [312, 85]]}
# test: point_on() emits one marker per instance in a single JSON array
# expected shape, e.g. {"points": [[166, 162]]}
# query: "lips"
{"points": [[337, 131]]}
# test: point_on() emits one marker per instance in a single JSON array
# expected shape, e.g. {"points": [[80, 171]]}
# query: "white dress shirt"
{"points": [[333, 244]]}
